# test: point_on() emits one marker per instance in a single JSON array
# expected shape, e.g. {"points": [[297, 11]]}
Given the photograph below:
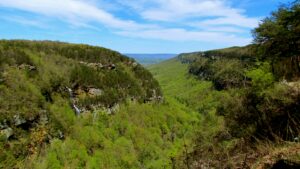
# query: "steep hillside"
{"points": [[241, 103], [35, 75], [239, 119], [197, 96], [77, 106], [177, 83]]}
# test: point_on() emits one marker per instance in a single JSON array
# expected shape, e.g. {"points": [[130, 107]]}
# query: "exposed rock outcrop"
{"points": [[113, 109], [95, 92], [92, 65], [18, 120], [6, 133], [109, 66], [26, 67]]}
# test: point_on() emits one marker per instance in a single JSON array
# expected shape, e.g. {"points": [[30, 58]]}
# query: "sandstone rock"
{"points": [[18, 120], [113, 109], [6, 133], [32, 68], [95, 92], [111, 66], [92, 65], [25, 66]]}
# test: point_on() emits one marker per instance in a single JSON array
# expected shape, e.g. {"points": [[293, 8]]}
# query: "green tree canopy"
{"points": [[278, 38]]}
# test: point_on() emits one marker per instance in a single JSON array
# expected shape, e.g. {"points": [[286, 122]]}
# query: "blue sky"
{"points": [[136, 26]]}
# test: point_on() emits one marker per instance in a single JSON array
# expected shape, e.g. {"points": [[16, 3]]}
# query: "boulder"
{"points": [[3, 125], [27, 67], [18, 120], [95, 92], [111, 66], [92, 65], [31, 67], [6, 133], [113, 109]]}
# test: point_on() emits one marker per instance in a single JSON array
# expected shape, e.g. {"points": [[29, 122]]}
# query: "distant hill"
{"points": [[245, 53], [149, 59]]}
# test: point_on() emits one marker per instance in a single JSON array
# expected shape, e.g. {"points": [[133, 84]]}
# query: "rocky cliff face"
{"points": [[39, 79]]}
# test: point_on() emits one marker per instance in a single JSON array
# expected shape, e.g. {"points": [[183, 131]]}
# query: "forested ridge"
{"points": [[255, 91], [78, 106]]}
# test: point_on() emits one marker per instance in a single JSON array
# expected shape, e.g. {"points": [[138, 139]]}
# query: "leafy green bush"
{"points": [[224, 73], [261, 78], [265, 110], [278, 38]]}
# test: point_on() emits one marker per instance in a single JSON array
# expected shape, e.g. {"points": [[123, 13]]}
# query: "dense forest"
{"points": [[256, 93], [78, 106]]}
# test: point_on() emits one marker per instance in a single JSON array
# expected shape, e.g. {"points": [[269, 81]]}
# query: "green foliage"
{"points": [[259, 110], [255, 105], [224, 73], [62, 114], [245, 54], [66, 154], [278, 40], [193, 95], [139, 135], [19, 96], [228, 73], [261, 77], [33, 81], [188, 90]]}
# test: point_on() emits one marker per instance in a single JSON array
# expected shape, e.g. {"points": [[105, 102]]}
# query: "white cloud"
{"points": [[176, 20], [172, 10], [224, 29], [211, 20], [180, 10], [238, 20], [71, 11]]}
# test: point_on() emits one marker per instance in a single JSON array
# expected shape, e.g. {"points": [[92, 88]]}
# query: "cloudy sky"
{"points": [[136, 26]]}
